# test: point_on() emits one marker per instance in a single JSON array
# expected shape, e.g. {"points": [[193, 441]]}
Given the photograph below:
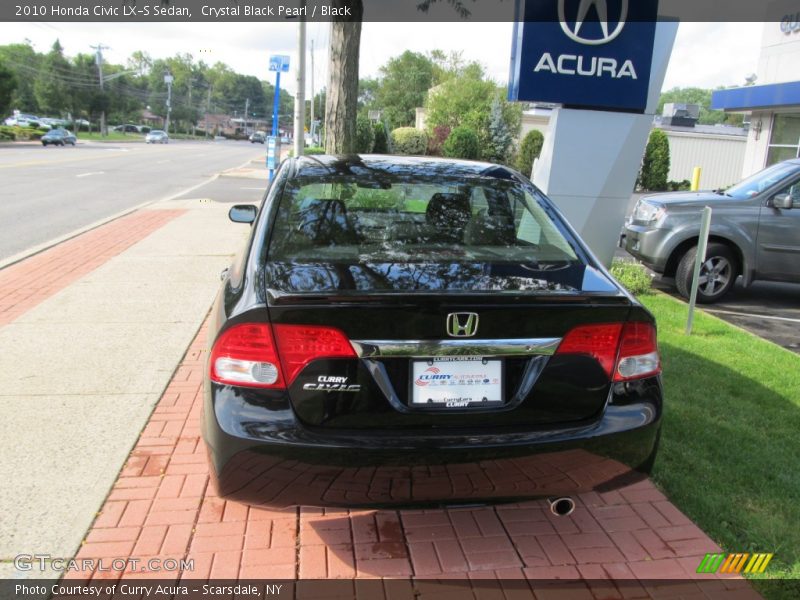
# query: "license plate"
{"points": [[456, 382]]}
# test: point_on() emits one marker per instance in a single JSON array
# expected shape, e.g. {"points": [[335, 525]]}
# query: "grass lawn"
{"points": [[113, 136], [730, 449]]}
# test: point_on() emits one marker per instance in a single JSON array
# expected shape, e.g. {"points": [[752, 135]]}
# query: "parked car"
{"points": [[127, 128], [157, 136], [755, 232], [258, 137], [59, 137], [416, 330]]}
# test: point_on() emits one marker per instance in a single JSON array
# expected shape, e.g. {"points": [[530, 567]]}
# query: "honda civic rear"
{"points": [[416, 330]]}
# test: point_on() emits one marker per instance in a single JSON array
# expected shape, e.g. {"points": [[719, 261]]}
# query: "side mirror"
{"points": [[243, 213], [782, 201]]}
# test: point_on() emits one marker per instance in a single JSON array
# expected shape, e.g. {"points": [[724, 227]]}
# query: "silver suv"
{"points": [[755, 232]]}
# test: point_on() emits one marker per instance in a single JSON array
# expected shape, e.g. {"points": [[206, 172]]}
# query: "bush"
{"points": [[381, 145], [655, 164], [462, 143], [409, 141], [365, 136], [437, 139], [529, 150], [679, 186], [7, 134], [308, 151], [632, 275]]}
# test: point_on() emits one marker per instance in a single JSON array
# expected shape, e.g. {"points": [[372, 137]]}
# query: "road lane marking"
{"points": [[717, 311], [161, 162], [91, 173]]}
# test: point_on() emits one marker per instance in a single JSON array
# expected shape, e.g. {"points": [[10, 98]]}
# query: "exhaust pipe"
{"points": [[562, 507]]}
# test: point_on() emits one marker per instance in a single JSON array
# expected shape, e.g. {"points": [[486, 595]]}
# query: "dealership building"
{"points": [[774, 102]]}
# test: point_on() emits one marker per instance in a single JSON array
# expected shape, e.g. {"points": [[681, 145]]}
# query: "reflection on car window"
{"points": [[411, 220], [755, 184]]}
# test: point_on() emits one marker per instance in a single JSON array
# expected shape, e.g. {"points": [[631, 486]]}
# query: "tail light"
{"points": [[300, 344], [246, 355], [250, 355], [625, 351], [638, 352]]}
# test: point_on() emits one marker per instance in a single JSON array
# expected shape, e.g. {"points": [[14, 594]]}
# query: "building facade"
{"points": [[774, 103]]}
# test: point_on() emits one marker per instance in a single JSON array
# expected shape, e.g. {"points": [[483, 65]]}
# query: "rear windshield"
{"points": [[405, 235], [478, 220]]}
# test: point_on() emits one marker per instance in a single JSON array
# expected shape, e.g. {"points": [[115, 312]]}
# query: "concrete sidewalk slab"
{"points": [[92, 358]]}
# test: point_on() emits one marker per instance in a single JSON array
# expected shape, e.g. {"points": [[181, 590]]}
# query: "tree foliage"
{"points": [[701, 96], [462, 143], [365, 136], [405, 81], [655, 164], [54, 85], [8, 85], [381, 145], [500, 141], [466, 98], [529, 150]]}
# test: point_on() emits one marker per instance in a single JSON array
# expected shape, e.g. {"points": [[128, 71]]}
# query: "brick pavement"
{"points": [[25, 284], [162, 505]]}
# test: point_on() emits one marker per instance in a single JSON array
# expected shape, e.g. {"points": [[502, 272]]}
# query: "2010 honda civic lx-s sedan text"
{"points": [[417, 330]]}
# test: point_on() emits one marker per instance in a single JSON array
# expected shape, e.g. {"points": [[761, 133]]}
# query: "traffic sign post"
{"points": [[273, 153], [280, 64]]}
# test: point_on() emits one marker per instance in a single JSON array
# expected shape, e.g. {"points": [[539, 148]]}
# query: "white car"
{"points": [[157, 136]]}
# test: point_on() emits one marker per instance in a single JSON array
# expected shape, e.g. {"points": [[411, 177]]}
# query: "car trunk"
{"points": [[412, 373]]}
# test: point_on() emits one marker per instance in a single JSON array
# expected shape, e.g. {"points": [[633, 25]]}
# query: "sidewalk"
{"points": [[90, 333]]}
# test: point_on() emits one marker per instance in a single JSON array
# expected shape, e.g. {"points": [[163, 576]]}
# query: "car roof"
{"points": [[321, 165]]}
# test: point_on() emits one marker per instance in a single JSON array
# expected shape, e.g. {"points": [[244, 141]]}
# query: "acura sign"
{"points": [[593, 54]]}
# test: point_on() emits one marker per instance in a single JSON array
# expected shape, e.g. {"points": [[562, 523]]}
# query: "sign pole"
{"points": [[279, 64]]}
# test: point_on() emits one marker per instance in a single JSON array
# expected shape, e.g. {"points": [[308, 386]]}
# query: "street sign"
{"points": [[273, 152], [593, 54], [279, 62]]}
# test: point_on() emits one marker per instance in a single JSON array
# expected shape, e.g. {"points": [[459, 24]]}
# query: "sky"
{"points": [[705, 55]]}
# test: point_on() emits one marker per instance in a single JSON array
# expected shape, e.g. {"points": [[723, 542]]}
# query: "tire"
{"points": [[724, 266]]}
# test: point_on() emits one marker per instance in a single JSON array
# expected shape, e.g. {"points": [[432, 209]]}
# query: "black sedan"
{"points": [[416, 330], [59, 137]]}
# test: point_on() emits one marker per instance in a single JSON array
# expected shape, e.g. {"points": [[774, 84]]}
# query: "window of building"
{"points": [[785, 141]]}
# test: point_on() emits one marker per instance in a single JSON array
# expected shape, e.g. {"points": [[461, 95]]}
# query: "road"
{"points": [[50, 192]]}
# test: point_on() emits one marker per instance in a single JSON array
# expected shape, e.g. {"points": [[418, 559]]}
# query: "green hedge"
{"points": [[409, 141], [462, 143], [529, 150]]}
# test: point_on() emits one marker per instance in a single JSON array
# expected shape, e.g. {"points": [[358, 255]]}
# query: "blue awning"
{"points": [[757, 96]]}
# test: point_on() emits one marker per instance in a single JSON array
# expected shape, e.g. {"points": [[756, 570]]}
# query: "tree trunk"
{"points": [[341, 101]]}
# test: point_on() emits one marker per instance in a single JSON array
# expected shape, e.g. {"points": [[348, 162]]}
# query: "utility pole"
{"points": [[300, 96], [208, 108], [311, 121], [168, 79], [246, 108], [98, 59]]}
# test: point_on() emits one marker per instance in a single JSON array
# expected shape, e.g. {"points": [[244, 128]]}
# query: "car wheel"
{"points": [[717, 274], [44, 144]]}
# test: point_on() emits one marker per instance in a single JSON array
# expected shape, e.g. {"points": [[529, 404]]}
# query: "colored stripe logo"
{"points": [[740, 562]]}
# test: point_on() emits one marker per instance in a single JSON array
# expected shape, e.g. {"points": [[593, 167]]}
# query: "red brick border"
{"points": [[162, 506], [25, 284]]}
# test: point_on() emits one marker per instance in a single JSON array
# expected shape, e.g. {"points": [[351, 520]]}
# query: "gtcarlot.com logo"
{"points": [[43, 562]]}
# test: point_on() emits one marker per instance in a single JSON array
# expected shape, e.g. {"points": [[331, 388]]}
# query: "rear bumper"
{"points": [[277, 462]]}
